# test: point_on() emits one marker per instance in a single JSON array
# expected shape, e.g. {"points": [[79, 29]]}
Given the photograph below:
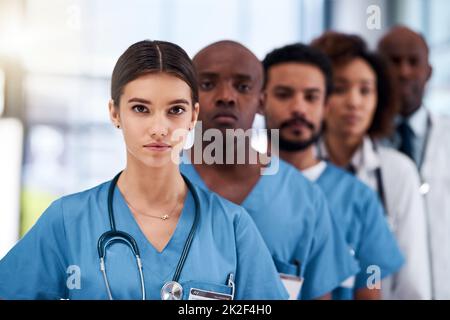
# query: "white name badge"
{"points": [[292, 284], [198, 294]]}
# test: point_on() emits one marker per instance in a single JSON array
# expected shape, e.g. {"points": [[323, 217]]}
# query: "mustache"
{"points": [[297, 120]]}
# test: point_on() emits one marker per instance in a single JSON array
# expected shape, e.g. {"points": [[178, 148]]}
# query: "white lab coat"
{"points": [[436, 172], [405, 213]]}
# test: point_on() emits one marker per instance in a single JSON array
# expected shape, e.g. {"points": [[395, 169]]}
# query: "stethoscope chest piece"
{"points": [[424, 188], [172, 290]]}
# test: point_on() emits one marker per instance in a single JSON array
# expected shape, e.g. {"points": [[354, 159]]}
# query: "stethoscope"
{"points": [[171, 290], [424, 189], [352, 170], [424, 186], [379, 179]]}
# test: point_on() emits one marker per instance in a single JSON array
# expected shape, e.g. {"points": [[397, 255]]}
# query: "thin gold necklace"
{"points": [[163, 217]]}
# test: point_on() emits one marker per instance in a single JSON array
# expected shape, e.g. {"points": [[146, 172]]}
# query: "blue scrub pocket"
{"points": [[293, 269], [200, 290]]}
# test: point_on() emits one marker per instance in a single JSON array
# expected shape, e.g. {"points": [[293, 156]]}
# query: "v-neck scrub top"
{"points": [[293, 217], [58, 258]]}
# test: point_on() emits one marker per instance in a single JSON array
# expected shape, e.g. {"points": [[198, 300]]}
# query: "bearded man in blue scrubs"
{"points": [[298, 81]]}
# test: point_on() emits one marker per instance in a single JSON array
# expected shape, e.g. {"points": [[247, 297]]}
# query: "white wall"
{"points": [[11, 137], [351, 16]]}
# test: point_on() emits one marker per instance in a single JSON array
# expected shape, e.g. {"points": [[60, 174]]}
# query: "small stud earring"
{"points": [[118, 126]]}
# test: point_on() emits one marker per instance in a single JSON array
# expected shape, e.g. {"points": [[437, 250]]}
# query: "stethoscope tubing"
{"points": [[113, 235]]}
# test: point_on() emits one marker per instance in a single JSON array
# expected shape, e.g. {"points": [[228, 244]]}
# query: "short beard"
{"points": [[291, 146]]}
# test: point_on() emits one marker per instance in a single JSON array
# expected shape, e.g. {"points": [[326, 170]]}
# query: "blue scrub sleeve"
{"points": [[34, 267], [257, 277], [329, 262], [378, 247]]}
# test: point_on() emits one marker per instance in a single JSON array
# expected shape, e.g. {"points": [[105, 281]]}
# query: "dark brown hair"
{"points": [[342, 49], [152, 57]]}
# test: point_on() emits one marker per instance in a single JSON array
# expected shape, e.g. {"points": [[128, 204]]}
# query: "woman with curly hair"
{"points": [[360, 111]]}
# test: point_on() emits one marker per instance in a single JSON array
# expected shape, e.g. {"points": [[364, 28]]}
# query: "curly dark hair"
{"points": [[341, 49]]}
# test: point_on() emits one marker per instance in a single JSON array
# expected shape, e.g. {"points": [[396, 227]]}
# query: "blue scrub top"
{"points": [[359, 214], [42, 264], [292, 215]]}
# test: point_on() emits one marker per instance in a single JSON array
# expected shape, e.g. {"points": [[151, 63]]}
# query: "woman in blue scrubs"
{"points": [[191, 243]]}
